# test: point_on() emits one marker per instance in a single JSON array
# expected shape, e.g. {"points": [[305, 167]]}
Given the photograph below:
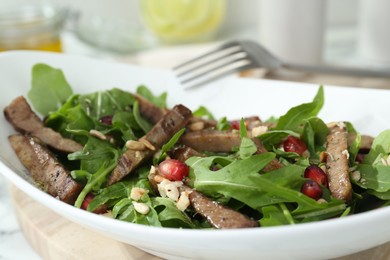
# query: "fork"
{"points": [[236, 56]]}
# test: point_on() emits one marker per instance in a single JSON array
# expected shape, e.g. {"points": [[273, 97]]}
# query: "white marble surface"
{"points": [[13, 245]]}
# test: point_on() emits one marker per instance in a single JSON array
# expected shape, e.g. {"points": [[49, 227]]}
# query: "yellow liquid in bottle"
{"points": [[182, 21], [54, 46], [31, 27]]}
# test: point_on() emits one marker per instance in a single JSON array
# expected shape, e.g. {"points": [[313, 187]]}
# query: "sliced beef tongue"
{"points": [[217, 215], [161, 133], [210, 140], [182, 153], [25, 121], [337, 162], [44, 168], [150, 111]]}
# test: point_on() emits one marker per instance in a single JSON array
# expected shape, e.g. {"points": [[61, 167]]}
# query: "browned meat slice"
{"points": [[274, 164], [216, 214], [222, 141], [212, 140], [161, 133], [25, 121], [182, 153], [150, 111], [337, 163], [44, 168]]}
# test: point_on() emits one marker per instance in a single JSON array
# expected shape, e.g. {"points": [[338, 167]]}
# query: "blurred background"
{"points": [[302, 31]]}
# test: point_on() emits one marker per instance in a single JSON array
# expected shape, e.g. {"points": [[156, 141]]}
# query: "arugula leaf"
{"points": [[159, 101], [143, 123], [103, 103], [380, 146], [294, 119], [353, 148], [276, 215], [314, 135], [203, 112], [240, 180], [275, 137], [69, 119], [49, 88], [247, 148], [167, 146], [374, 177], [223, 124], [98, 158], [111, 193], [169, 215]]}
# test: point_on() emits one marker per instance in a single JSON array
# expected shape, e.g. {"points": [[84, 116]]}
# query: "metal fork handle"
{"points": [[357, 72]]}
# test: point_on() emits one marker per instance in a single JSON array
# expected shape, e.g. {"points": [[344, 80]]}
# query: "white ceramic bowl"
{"points": [[233, 97]]}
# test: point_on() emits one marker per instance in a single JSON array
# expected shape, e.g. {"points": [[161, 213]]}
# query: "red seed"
{"points": [[316, 174], [295, 145], [235, 124], [312, 189], [106, 120], [173, 170], [249, 122]]}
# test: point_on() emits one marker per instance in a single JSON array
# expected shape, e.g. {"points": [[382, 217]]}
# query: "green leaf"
{"points": [[294, 119], [114, 192], [353, 148], [203, 112], [374, 177], [169, 215], [103, 103], [243, 131], [49, 89], [275, 137], [380, 147], [247, 148], [276, 215], [169, 145], [240, 180], [143, 123], [159, 101], [98, 158], [223, 124], [314, 135]]}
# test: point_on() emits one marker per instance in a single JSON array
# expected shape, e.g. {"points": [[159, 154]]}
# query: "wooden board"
{"points": [[54, 237]]}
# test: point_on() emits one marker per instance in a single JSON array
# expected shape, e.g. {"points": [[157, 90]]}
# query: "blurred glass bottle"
{"points": [[31, 26], [183, 21]]}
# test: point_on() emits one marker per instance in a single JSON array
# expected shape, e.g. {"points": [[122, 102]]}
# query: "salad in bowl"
{"points": [[131, 157]]}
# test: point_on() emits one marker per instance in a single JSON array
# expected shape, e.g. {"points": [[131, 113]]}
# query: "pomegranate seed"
{"points": [[235, 124], [106, 120], [316, 174], [312, 189], [295, 145], [173, 170]]}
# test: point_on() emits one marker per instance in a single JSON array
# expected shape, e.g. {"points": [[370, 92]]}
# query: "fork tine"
{"points": [[208, 67], [199, 81], [219, 48], [209, 70], [203, 63]]}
